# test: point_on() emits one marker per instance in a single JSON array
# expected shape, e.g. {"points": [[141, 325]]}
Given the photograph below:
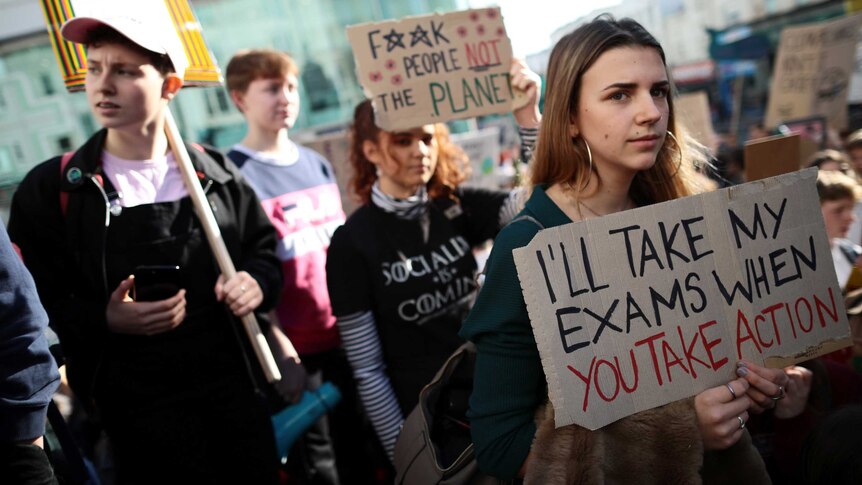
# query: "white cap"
{"points": [[158, 39]]}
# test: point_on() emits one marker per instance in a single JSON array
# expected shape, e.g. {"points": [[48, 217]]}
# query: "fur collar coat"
{"points": [[657, 446]]}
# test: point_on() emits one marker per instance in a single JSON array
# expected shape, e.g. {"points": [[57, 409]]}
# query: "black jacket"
{"points": [[65, 252]]}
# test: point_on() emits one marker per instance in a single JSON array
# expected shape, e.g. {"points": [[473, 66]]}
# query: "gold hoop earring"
{"points": [[678, 165], [590, 158], [678, 149]]}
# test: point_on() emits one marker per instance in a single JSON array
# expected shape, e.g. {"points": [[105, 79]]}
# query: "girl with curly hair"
{"points": [[401, 271]]}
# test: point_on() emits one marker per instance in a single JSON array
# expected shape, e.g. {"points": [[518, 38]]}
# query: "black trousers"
{"points": [[25, 465], [359, 457], [311, 460], [226, 437]]}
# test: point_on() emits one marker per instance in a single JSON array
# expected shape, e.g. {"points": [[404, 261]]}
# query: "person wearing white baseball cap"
{"points": [[133, 71], [159, 41], [167, 379]]}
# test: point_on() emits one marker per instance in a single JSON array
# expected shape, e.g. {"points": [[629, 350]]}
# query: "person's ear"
{"points": [[171, 86], [237, 97], [372, 152], [573, 127]]}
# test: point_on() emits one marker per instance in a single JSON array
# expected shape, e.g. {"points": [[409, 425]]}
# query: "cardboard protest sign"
{"points": [[434, 68], [776, 155], [652, 305], [693, 110], [168, 14], [812, 72]]}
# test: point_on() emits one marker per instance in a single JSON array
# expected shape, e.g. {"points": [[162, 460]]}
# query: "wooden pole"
{"points": [[205, 215]]}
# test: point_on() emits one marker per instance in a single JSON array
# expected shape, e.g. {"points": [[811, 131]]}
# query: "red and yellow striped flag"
{"points": [[202, 69]]}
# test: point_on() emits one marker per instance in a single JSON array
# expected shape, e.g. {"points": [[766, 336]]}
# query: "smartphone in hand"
{"points": [[154, 283]]}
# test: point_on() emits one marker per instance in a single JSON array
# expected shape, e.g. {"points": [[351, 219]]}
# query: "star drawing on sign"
{"points": [[420, 35], [394, 39]]}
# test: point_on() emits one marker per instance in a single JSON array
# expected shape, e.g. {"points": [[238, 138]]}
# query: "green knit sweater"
{"points": [[509, 382]]}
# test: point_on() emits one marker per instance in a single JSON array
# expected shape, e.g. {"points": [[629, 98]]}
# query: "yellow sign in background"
{"points": [[202, 70]]}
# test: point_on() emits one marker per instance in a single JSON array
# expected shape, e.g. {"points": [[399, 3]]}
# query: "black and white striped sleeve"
{"points": [[364, 352], [528, 142], [513, 204]]}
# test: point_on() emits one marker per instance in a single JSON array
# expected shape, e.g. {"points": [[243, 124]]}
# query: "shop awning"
{"points": [[693, 72]]}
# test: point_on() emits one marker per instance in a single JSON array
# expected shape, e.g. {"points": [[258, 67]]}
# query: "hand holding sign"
{"points": [[527, 86], [722, 412], [796, 392], [767, 385]]}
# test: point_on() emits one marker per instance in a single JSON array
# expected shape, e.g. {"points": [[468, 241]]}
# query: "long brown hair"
{"points": [[451, 167], [560, 159]]}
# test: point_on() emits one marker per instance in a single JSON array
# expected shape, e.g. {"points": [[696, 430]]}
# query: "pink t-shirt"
{"points": [[144, 181]]}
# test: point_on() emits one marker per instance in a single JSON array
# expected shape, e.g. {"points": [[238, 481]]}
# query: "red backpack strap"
{"points": [[201, 149], [18, 251], [64, 196], [64, 160]]}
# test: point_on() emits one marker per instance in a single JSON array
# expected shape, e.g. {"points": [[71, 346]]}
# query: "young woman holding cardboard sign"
{"points": [[606, 145]]}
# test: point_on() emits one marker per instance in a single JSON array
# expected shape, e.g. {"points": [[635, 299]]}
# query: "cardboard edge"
{"points": [[821, 348], [525, 279]]}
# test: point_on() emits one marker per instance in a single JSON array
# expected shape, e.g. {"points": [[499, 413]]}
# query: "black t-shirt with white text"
{"points": [[419, 292]]}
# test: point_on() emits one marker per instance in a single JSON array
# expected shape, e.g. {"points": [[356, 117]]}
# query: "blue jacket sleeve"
{"points": [[509, 383], [28, 373]]}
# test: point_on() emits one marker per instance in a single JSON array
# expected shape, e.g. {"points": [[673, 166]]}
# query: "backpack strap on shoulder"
{"points": [[64, 196], [237, 157], [64, 161], [18, 251], [525, 217]]}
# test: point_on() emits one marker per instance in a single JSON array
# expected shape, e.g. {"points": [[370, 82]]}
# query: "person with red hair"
{"points": [[401, 271]]}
